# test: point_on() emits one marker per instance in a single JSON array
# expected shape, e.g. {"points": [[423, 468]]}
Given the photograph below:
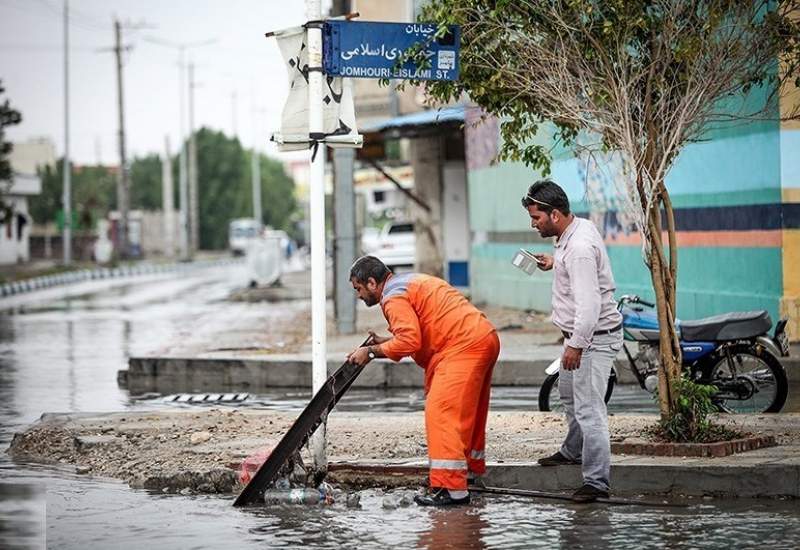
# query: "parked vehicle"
{"points": [[241, 232], [370, 237], [397, 244], [732, 352]]}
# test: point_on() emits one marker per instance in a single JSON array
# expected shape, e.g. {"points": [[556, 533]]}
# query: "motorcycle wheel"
{"points": [[762, 371], [549, 399]]}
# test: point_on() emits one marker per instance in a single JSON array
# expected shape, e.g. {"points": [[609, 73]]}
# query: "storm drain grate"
{"points": [[208, 397]]}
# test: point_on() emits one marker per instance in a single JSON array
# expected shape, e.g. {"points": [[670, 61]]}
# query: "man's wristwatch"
{"points": [[370, 353]]}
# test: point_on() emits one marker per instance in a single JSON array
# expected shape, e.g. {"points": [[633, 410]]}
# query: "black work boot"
{"points": [[556, 459], [588, 493], [439, 497]]}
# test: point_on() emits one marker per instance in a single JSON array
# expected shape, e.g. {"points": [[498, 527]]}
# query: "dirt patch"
{"points": [[200, 451]]}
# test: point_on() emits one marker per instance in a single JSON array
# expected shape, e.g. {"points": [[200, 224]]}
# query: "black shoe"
{"points": [[588, 493], [556, 460], [440, 497], [475, 481]]}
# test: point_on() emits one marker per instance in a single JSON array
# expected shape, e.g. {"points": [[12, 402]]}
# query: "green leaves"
{"points": [[8, 117], [689, 421], [662, 54], [224, 189]]}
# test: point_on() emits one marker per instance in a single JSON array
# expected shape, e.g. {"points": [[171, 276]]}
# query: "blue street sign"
{"points": [[363, 49]]}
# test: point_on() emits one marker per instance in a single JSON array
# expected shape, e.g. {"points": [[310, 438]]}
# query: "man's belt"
{"points": [[568, 335]]}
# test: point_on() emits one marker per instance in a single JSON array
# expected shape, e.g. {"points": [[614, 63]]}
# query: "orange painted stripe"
{"points": [[730, 239]]}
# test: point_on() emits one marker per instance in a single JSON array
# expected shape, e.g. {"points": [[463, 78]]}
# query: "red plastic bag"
{"points": [[252, 463]]}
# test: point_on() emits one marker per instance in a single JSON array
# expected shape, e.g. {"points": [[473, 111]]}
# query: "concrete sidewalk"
{"points": [[200, 450]]}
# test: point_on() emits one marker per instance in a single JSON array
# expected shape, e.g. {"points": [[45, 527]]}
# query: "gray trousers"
{"points": [[582, 393]]}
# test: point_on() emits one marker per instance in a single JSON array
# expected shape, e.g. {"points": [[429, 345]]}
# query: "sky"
{"points": [[240, 62]]}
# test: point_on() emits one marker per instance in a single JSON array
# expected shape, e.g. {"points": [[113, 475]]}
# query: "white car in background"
{"points": [[241, 233], [370, 237], [397, 244]]}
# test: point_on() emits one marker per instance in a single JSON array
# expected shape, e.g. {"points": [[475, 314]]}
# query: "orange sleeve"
{"points": [[404, 326]]}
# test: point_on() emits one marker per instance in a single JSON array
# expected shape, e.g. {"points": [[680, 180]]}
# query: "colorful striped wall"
{"points": [[737, 202]]}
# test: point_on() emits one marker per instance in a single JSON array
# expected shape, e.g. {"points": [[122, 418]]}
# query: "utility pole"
{"points": [[256, 166], [66, 198], [194, 207], [183, 178], [167, 201], [319, 360], [256, 161], [345, 246], [122, 181], [234, 109], [344, 221]]}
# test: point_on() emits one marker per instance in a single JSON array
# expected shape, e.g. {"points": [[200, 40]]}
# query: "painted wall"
{"points": [[738, 235]]}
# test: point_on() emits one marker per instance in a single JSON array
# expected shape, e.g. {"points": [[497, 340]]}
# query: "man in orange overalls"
{"points": [[457, 346]]}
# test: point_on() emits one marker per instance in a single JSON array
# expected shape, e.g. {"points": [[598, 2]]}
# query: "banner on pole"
{"points": [[339, 119]]}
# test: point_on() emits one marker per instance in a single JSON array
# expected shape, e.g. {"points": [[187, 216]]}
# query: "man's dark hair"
{"points": [[369, 266], [547, 196]]}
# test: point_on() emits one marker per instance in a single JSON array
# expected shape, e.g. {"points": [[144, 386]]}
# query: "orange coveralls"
{"points": [[457, 346]]}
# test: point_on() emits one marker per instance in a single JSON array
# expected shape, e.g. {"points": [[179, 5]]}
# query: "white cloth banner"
{"points": [[339, 118]]}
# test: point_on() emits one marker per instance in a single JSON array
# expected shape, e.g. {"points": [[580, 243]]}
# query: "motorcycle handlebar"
{"points": [[635, 300]]}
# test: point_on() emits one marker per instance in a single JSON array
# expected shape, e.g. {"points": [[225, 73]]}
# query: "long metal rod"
{"points": [[67, 168], [317, 214], [562, 496]]}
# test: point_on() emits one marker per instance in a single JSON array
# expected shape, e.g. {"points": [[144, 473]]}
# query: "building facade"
{"points": [[736, 196]]}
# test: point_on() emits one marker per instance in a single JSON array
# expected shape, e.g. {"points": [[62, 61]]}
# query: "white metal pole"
{"points": [[317, 214], [67, 169], [167, 201]]}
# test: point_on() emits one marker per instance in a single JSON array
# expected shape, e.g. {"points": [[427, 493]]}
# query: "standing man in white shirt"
{"points": [[586, 312]]}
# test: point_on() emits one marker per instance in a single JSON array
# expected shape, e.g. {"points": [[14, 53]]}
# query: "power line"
{"points": [[45, 48], [76, 17], [52, 12]]}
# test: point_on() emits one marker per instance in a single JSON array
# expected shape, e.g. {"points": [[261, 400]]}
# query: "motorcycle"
{"points": [[732, 352]]}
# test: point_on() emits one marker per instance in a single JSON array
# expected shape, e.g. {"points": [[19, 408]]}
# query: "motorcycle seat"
{"points": [[728, 326]]}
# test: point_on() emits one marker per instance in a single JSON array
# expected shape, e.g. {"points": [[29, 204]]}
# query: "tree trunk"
{"points": [[663, 274]]}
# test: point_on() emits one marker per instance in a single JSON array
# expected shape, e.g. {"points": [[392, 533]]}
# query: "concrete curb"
{"points": [[238, 374], [679, 477], [69, 277], [177, 375]]}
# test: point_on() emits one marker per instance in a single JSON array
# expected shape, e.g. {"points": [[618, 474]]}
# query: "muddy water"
{"points": [[64, 355]]}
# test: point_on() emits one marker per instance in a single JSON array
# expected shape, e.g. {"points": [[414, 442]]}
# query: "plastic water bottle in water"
{"points": [[307, 496]]}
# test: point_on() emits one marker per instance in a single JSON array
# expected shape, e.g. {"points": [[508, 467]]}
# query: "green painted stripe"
{"points": [[711, 280]]}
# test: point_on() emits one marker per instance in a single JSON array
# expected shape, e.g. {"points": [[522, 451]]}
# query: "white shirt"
{"points": [[583, 285]]}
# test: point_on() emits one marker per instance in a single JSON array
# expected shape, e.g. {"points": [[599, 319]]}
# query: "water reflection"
{"points": [[22, 515], [459, 527], [587, 524]]}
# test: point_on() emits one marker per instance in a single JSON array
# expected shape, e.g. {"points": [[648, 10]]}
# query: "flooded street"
{"points": [[63, 355]]}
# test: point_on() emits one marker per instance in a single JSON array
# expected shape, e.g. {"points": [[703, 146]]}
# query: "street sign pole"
{"points": [[317, 214]]}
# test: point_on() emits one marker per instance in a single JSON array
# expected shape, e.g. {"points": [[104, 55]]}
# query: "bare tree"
{"points": [[637, 78]]}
